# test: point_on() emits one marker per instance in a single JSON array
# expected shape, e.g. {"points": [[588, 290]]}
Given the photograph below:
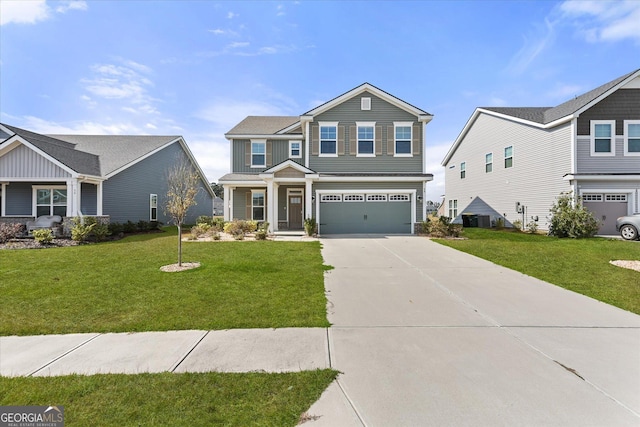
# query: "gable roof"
{"points": [[262, 125], [547, 117], [64, 152]]}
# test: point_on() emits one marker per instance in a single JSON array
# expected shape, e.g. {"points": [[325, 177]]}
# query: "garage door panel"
{"points": [[365, 217]]}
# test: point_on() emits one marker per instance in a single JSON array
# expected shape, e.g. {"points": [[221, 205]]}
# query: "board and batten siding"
{"points": [[23, 162], [367, 186], [383, 114], [278, 152], [126, 195], [540, 160]]}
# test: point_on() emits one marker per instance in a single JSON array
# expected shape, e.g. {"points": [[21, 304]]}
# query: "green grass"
{"points": [[118, 287], [166, 399], [580, 265]]}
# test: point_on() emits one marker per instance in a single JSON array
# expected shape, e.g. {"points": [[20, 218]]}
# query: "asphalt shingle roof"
{"points": [[263, 125]]}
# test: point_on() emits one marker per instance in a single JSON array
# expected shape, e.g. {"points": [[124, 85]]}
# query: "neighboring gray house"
{"points": [[518, 160], [355, 163], [120, 177]]}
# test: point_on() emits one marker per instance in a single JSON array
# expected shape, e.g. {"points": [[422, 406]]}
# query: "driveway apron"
{"points": [[425, 335]]}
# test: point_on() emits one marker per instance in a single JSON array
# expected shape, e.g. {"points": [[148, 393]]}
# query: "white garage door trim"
{"points": [[411, 193], [608, 195]]}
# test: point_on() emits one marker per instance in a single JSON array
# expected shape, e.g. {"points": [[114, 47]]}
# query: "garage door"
{"points": [[606, 208], [365, 213]]}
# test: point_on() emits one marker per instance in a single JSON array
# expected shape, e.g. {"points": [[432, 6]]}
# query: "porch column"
{"points": [[270, 203], [226, 203], [73, 198], [308, 203], [3, 199], [99, 199], [274, 218]]}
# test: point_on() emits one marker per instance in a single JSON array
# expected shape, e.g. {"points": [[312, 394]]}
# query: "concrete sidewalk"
{"points": [[428, 336], [237, 350]]}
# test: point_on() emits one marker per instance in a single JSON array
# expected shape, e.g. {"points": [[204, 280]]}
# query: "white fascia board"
{"points": [[579, 177], [286, 164], [479, 111], [366, 87], [15, 140], [243, 183], [375, 178], [265, 136], [290, 128]]}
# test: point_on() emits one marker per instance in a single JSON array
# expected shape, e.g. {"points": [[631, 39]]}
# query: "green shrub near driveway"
{"points": [[118, 287], [580, 265]]}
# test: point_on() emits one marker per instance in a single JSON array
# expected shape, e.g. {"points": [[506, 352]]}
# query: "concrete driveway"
{"points": [[428, 336]]}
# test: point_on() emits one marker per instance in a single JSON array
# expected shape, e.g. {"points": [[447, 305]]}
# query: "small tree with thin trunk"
{"points": [[182, 188]]}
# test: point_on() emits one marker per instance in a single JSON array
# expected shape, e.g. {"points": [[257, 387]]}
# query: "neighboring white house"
{"points": [[514, 162]]}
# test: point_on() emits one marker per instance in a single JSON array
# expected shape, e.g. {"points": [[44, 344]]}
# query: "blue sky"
{"points": [[196, 68]]}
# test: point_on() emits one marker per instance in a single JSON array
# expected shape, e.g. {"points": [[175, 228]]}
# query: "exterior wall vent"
{"points": [[365, 104]]}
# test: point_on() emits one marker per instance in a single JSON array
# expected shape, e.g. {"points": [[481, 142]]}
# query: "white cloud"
{"points": [[598, 21], [534, 44], [23, 12], [565, 92], [231, 15], [39, 125], [33, 11]]}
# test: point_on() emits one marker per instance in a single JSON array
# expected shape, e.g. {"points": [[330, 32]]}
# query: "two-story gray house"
{"points": [[355, 163], [514, 162], [123, 178]]}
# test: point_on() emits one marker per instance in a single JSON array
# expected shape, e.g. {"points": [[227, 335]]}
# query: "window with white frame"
{"points": [[51, 201], [354, 197], [257, 205], [403, 138], [453, 208], [615, 197], [366, 139], [376, 197], [632, 137], [258, 153], [399, 198], [331, 198], [463, 170], [508, 157], [153, 207], [295, 149], [603, 137], [365, 103], [590, 197], [328, 139], [488, 162]]}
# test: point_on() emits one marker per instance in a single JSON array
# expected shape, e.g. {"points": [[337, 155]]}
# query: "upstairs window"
{"points": [[508, 157], [632, 137], [602, 138], [258, 154], [328, 140], [403, 138], [295, 149], [366, 138], [463, 170], [488, 162]]}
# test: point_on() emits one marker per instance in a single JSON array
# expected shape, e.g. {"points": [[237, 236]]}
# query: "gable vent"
{"points": [[365, 103]]}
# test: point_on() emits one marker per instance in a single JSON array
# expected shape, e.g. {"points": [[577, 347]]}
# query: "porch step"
{"points": [[289, 233]]}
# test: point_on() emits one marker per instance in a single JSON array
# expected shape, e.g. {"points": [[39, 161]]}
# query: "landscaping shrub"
{"points": [[200, 229], [441, 226], [81, 229], [310, 226], [10, 231], [204, 219], [43, 236], [532, 227], [261, 233], [569, 218], [115, 228], [218, 223], [129, 227], [143, 225], [240, 226], [499, 223], [517, 224]]}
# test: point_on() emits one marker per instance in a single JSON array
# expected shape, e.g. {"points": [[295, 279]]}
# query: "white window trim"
{"points": [[592, 136], [259, 141], [487, 163], [358, 126], [463, 169], [34, 193], [395, 141], [510, 157], [151, 206], [365, 103], [291, 156], [626, 137], [264, 206], [320, 126]]}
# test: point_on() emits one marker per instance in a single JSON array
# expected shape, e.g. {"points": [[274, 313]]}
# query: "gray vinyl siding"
{"points": [[605, 164], [88, 199], [19, 198], [126, 195], [23, 162], [367, 186], [541, 158], [624, 104], [240, 202], [279, 153], [384, 114]]}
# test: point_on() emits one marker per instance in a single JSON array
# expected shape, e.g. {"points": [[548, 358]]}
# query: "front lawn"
{"points": [[118, 287], [168, 399], [580, 265]]}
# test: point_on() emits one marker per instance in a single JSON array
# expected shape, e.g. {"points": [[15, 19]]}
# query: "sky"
{"points": [[197, 68]]}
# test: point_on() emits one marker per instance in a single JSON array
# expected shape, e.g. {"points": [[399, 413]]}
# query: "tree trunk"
{"points": [[179, 245]]}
